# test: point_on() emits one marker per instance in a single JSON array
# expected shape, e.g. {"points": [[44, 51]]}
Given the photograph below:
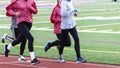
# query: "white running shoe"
{"points": [[21, 59], [4, 38], [61, 60]]}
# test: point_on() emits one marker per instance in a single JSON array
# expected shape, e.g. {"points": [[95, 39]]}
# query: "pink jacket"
{"points": [[56, 19], [26, 9]]}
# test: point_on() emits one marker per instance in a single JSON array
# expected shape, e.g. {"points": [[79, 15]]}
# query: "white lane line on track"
{"points": [[16, 63]]}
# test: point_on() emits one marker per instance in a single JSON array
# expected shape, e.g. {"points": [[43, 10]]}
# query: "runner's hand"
{"points": [[17, 13]]}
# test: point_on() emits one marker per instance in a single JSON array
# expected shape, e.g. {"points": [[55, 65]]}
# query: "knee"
{"points": [[31, 39], [23, 42], [15, 42], [68, 44], [77, 40]]}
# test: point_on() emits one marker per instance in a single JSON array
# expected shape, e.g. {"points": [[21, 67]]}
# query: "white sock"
{"points": [[9, 38], [9, 46], [32, 55]]}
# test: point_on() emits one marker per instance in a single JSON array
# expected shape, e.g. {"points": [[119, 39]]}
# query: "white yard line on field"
{"points": [[89, 17], [43, 29], [98, 18], [100, 25], [108, 32], [44, 22], [2, 16], [83, 18], [90, 29], [100, 13], [86, 31], [98, 9]]}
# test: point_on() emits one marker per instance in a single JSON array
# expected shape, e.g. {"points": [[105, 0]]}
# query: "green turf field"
{"points": [[98, 24]]}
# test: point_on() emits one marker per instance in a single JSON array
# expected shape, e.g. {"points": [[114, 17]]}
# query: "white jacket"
{"points": [[67, 14]]}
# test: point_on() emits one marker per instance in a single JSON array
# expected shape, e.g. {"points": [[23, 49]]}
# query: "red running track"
{"points": [[11, 62]]}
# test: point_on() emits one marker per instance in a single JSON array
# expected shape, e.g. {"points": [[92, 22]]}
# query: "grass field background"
{"points": [[98, 25]]}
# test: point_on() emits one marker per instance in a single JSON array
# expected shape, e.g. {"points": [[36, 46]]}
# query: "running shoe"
{"points": [[6, 51], [61, 60], [80, 60], [21, 59], [35, 61], [47, 46], [4, 38]]}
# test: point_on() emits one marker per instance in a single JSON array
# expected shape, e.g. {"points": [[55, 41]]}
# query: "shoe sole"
{"points": [[22, 60], [81, 61], [35, 63], [60, 61]]}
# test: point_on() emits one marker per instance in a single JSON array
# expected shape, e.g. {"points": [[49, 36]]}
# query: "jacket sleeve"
{"points": [[34, 9], [52, 17], [9, 10], [66, 11]]}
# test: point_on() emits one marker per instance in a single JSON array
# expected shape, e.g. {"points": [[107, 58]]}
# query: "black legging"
{"points": [[16, 32], [56, 42], [25, 34], [22, 46], [66, 40]]}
